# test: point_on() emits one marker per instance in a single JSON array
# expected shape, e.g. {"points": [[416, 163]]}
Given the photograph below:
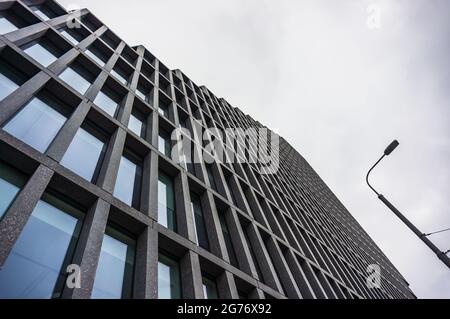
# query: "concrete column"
{"points": [[146, 268], [241, 249], [21, 209], [87, 251], [191, 276], [285, 275], [256, 208], [299, 276], [66, 134], [149, 190], [259, 249], [256, 294], [87, 41], [111, 161], [93, 90], [63, 61], [272, 220], [22, 35], [239, 195], [126, 109], [226, 286], [213, 227], [185, 219]]}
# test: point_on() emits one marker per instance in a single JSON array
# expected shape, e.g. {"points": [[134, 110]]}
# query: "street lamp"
{"points": [[441, 255]]}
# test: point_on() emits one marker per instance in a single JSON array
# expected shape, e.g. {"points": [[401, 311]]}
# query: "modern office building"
{"points": [[93, 204]]}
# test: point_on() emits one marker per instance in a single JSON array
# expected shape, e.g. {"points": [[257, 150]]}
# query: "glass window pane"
{"points": [[119, 77], [166, 202], [8, 81], [164, 145], [141, 95], [40, 54], [88, 147], [212, 181], [106, 103], [169, 285], [75, 80], [228, 242], [135, 125], [40, 13], [126, 179], [6, 26], [36, 267], [209, 288], [164, 111], [10, 183], [36, 124], [94, 57], [69, 37], [199, 222], [114, 275]]}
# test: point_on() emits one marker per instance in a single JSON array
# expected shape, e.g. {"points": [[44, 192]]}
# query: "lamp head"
{"points": [[391, 147]]}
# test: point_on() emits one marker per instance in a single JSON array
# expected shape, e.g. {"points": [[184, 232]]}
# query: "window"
{"points": [[90, 148], [277, 274], [41, 51], [212, 181], [91, 22], [114, 276], [11, 182], [95, 54], [119, 77], [77, 78], [129, 55], [141, 95], [255, 261], [110, 39], [166, 202], [228, 242], [148, 71], [209, 288], [164, 145], [106, 103], [9, 80], [233, 197], [169, 285], [136, 125], [38, 122], [41, 14], [7, 26], [70, 37], [145, 90], [163, 110], [199, 222], [188, 158], [36, 266], [128, 182], [164, 105]]}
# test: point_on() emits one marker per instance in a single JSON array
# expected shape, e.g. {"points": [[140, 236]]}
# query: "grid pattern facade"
{"points": [[282, 235]]}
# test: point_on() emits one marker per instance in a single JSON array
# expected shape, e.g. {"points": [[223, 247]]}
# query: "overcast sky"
{"points": [[337, 88]]}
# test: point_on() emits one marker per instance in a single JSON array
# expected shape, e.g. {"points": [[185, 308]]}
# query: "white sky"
{"points": [[337, 90]]}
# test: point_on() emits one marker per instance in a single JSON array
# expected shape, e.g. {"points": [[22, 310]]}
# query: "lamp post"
{"points": [[441, 255]]}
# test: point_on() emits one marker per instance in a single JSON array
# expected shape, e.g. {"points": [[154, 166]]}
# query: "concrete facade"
{"points": [[291, 236]]}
